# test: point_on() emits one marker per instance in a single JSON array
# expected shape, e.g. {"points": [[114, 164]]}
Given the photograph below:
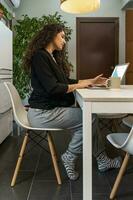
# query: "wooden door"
{"points": [[97, 46], [129, 46]]}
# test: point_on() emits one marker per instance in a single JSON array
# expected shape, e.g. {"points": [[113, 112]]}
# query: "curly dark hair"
{"points": [[41, 40]]}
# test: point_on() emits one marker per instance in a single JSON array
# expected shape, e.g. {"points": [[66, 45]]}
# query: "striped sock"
{"points": [[69, 162], [105, 163]]}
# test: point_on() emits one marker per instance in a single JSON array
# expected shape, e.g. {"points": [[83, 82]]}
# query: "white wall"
{"points": [[109, 8]]}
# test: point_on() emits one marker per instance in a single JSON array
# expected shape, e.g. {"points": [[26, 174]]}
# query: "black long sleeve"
{"points": [[49, 83], [72, 81], [45, 75]]}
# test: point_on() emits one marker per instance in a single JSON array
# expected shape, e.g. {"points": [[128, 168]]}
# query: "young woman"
{"points": [[52, 99]]}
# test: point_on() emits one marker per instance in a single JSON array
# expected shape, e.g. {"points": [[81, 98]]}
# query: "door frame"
{"points": [[80, 20]]}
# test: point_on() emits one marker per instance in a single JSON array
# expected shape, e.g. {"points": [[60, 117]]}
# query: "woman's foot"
{"points": [[69, 162], [105, 163]]}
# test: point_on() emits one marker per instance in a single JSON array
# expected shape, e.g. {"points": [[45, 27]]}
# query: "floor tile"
{"points": [[36, 178], [50, 190], [19, 191]]}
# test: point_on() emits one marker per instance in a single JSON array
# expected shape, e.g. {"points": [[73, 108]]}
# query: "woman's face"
{"points": [[59, 41]]}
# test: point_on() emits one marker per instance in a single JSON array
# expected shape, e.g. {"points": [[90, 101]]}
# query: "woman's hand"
{"points": [[99, 80]]}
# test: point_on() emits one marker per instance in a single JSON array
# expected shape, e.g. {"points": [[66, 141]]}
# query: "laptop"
{"points": [[119, 71]]}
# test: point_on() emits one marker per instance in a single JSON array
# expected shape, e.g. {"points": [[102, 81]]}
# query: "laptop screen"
{"points": [[120, 70]]}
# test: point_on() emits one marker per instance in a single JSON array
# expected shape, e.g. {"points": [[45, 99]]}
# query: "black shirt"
{"points": [[49, 83]]}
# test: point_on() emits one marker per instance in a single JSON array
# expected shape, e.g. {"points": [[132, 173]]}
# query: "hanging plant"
{"points": [[25, 29]]}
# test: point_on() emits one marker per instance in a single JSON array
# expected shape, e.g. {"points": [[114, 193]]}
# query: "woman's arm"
{"points": [[87, 83], [81, 84]]}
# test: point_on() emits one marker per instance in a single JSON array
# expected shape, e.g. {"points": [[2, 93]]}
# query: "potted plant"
{"points": [[25, 29]]}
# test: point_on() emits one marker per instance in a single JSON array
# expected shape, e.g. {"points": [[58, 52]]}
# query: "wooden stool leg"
{"points": [[53, 144], [54, 158], [119, 176], [19, 160]]}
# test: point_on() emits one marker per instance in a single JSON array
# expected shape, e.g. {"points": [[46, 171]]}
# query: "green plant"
{"points": [[25, 29], [6, 13]]}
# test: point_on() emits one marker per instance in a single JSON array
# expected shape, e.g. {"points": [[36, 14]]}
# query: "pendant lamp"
{"points": [[79, 6]]}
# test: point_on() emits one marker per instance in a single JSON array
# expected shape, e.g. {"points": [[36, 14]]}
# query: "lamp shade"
{"points": [[79, 6]]}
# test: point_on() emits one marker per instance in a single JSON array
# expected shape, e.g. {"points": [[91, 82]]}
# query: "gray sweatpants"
{"points": [[67, 118]]}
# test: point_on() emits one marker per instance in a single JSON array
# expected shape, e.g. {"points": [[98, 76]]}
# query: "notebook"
{"points": [[119, 71]]}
